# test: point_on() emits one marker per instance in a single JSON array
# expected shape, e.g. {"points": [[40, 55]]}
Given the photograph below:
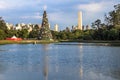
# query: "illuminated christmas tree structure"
{"points": [[45, 33]]}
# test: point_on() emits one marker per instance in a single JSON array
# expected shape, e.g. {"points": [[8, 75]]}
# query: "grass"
{"points": [[110, 43], [26, 42]]}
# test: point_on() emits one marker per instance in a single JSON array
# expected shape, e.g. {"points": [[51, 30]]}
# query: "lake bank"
{"points": [[26, 42], [110, 43]]}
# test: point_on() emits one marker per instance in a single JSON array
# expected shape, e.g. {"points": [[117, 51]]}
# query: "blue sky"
{"points": [[61, 12]]}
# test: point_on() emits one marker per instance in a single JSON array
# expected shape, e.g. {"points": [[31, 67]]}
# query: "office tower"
{"points": [[79, 20], [56, 27]]}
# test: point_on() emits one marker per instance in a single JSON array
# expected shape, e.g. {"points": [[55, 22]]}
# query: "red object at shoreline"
{"points": [[14, 38]]}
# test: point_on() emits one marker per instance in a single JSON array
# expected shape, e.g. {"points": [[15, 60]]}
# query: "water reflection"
{"points": [[46, 60], [46, 67], [2, 67], [59, 62], [115, 73], [81, 58]]}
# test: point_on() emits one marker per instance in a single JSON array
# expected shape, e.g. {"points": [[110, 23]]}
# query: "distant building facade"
{"points": [[21, 26], [79, 20], [56, 27], [9, 26]]}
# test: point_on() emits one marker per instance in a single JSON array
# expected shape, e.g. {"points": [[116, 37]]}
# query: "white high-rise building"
{"points": [[56, 27], [18, 27], [79, 20], [9, 26]]}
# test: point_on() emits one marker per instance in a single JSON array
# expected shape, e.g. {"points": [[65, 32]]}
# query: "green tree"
{"points": [[36, 28], [105, 34], [2, 24], [113, 34], [55, 34], [97, 24], [23, 33], [113, 18], [33, 34], [87, 35], [3, 29], [63, 36], [70, 35], [2, 34], [10, 33], [78, 34]]}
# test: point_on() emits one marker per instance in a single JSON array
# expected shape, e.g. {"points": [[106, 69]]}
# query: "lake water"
{"points": [[63, 61]]}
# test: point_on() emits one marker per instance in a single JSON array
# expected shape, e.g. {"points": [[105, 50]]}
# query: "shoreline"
{"points": [[2, 42], [103, 42], [92, 41], [114, 43]]}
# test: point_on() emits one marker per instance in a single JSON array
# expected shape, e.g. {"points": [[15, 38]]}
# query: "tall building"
{"points": [[56, 27], [79, 20]]}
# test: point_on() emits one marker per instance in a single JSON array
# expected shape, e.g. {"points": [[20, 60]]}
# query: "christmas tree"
{"points": [[45, 33]]}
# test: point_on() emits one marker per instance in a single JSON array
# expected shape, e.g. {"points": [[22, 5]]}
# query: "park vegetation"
{"points": [[109, 30]]}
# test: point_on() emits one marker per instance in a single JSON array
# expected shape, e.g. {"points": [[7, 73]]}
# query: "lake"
{"points": [[62, 61]]}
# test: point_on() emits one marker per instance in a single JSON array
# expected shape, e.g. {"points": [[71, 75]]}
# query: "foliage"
{"points": [[55, 34], [2, 34], [3, 28], [87, 35], [97, 23], [10, 33], [113, 34], [2, 24], [113, 17], [33, 34], [23, 33]]}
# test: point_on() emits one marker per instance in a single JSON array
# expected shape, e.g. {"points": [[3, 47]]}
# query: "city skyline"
{"points": [[63, 13]]}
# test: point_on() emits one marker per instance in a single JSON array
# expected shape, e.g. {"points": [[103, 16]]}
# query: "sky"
{"points": [[61, 12]]}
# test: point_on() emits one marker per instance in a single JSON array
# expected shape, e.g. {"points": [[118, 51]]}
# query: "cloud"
{"points": [[95, 10], [63, 19], [35, 16], [55, 16], [54, 2], [3, 5], [95, 7], [15, 4], [92, 7]]}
